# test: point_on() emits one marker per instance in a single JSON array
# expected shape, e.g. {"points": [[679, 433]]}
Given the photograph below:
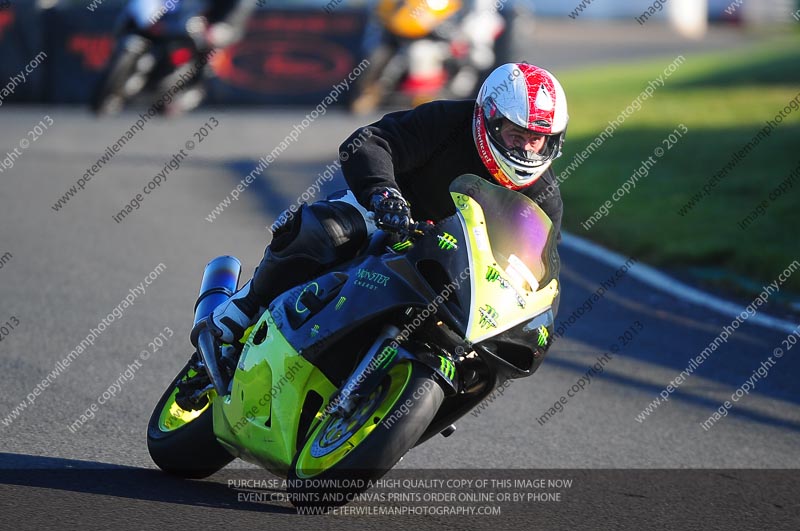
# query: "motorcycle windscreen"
{"points": [[521, 235]]}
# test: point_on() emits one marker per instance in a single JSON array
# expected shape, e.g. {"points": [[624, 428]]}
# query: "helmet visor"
{"points": [[522, 147]]}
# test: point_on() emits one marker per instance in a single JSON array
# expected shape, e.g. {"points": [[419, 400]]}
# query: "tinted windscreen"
{"points": [[516, 226]]}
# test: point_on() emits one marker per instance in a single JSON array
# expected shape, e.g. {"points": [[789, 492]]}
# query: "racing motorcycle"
{"points": [[160, 52], [343, 374], [420, 49]]}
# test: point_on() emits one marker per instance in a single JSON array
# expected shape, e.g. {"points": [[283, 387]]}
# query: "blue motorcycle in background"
{"points": [[161, 54]]}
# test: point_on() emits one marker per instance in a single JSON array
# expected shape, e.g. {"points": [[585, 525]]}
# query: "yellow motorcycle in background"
{"points": [[424, 51]]}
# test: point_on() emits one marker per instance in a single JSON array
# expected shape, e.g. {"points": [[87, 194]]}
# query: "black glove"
{"points": [[392, 212]]}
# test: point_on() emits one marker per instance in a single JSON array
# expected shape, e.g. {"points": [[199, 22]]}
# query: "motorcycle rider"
{"points": [[478, 30], [215, 24], [219, 25], [509, 135]]}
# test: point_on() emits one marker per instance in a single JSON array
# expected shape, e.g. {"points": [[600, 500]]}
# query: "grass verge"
{"points": [[722, 101]]}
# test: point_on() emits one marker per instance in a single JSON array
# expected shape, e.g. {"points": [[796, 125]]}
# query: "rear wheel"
{"points": [[342, 455], [184, 85], [182, 441]]}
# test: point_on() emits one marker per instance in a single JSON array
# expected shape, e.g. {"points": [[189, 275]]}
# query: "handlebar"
{"points": [[416, 230]]}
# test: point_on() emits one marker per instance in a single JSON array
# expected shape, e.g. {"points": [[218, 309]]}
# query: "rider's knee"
{"points": [[327, 231]]}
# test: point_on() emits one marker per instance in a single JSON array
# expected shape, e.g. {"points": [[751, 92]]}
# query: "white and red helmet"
{"points": [[532, 98]]}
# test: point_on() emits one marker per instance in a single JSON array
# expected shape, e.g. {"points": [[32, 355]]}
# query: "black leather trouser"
{"points": [[308, 241]]}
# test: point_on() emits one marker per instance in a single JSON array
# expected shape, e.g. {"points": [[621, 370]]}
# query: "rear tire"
{"points": [[182, 442], [190, 94], [379, 434]]}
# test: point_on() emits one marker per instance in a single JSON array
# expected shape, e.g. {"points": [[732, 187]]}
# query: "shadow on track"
{"points": [[103, 479]]}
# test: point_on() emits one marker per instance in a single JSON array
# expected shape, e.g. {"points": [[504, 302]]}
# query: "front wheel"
{"points": [[368, 91], [182, 441], [342, 455], [124, 77]]}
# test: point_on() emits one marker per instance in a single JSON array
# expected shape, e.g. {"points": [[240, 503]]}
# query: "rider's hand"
{"points": [[392, 212]]}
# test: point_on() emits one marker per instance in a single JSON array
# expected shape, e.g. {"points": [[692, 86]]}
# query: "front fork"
{"points": [[384, 353]]}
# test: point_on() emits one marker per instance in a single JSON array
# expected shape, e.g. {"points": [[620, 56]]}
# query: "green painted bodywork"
{"points": [[495, 307], [258, 421], [173, 416]]}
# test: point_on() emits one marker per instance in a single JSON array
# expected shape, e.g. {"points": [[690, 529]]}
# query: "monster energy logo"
{"points": [[401, 246], [493, 275], [447, 241], [488, 316], [340, 302], [372, 276], [370, 279], [543, 335], [447, 367]]}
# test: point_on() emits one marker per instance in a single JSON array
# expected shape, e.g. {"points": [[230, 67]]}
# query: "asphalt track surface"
{"points": [[70, 268]]}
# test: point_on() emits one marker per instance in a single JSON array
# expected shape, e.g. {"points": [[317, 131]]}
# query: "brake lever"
{"points": [[416, 230], [424, 227]]}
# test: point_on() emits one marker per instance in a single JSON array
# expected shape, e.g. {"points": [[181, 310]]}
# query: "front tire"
{"points": [[342, 455], [182, 442], [368, 91]]}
